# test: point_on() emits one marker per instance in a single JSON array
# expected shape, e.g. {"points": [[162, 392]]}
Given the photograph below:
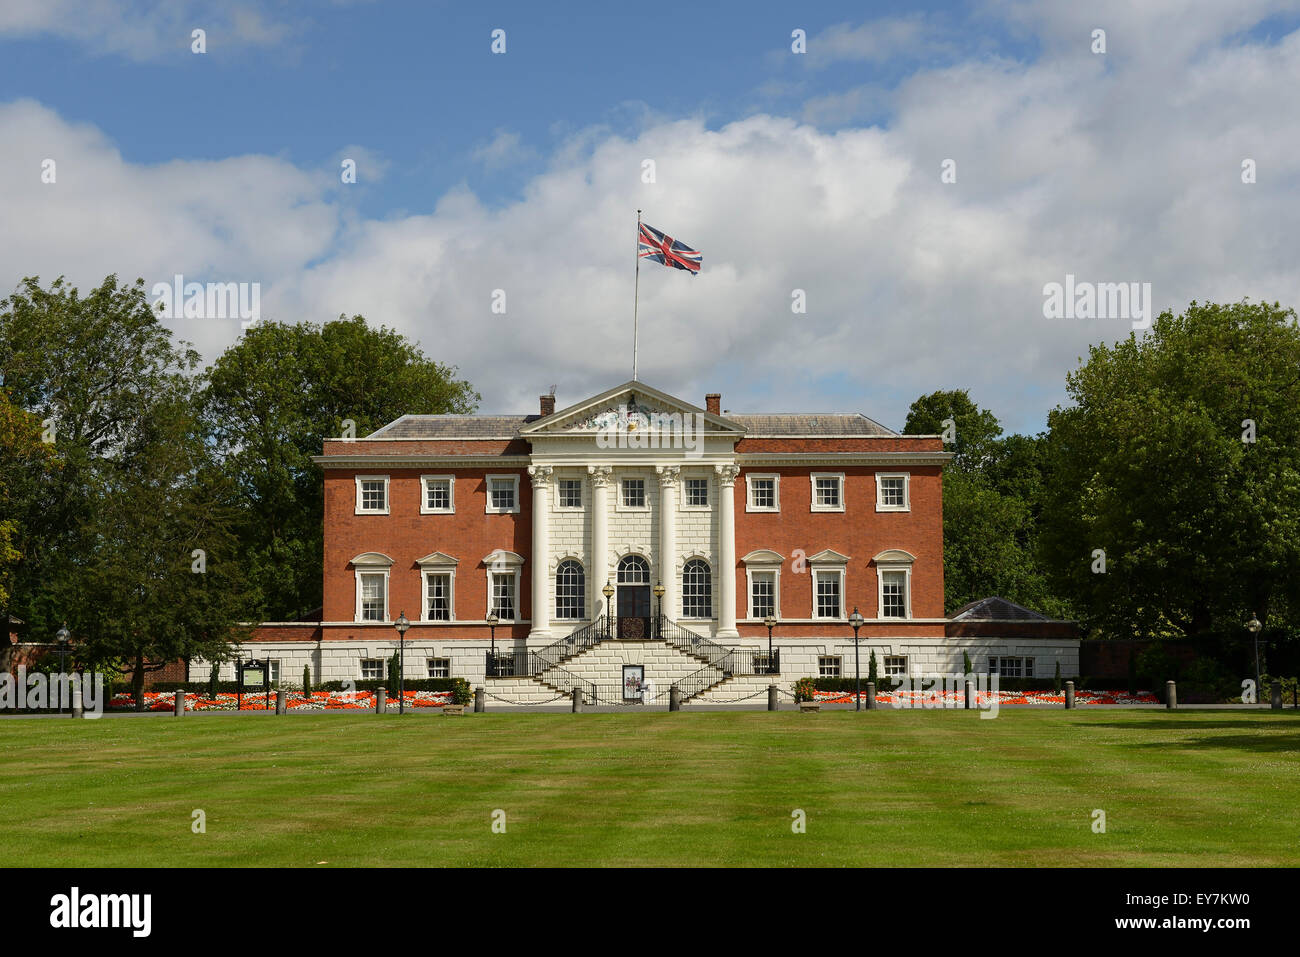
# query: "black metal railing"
{"points": [[574, 643], [683, 639]]}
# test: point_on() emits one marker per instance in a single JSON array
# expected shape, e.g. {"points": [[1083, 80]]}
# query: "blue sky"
{"points": [[520, 172]]}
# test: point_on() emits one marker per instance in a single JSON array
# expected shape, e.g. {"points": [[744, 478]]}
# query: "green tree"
{"points": [[26, 465], [272, 400], [991, 500], [1178, 464], [976, 429], [138, 491]]}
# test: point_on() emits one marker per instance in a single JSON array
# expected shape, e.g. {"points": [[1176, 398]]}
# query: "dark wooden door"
{"points": [[633, 611]]}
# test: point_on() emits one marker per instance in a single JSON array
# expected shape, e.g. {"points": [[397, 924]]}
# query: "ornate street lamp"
{"points": [[492, 620], [770, 621], [62, 636], [401, 625], [1253, 626], [608, 592], [659, 600], [856, 621]]}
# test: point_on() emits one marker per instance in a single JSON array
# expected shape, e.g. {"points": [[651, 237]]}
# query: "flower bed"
{"points": [[294, 701], [954, 699]]}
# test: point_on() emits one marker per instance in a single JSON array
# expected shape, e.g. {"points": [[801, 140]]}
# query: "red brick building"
{"points": [[506, 533]]}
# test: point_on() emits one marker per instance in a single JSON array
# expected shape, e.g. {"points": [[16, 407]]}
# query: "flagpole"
{"points": [[636, 289]]}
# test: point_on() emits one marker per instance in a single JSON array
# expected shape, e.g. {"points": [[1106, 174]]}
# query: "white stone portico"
{"points": [[634, 433]]}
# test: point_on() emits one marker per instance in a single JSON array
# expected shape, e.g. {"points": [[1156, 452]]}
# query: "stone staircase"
{"points": [[592, 660]]}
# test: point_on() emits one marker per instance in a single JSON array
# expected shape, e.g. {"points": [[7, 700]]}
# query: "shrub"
{"points": [[213, 681], [393, 667], [966, 667], [803, 689], [1057, 678], [871, 667], [460, 690], [306, 679]]}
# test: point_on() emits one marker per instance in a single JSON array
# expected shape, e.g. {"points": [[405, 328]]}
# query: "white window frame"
{"points": [[750, 477], [488, 506], [273, 671], [894, 670], [818, 572], [838, 666], [511, 566], [775, 572], [429, 666], [645, 493], [361, 668], [907, 493], [555, 591], [881, 571], [360, 570], [582, 495], [424, 495], [708, 494], [387, 496], [713, 589], [839, 477], [425, 575]]}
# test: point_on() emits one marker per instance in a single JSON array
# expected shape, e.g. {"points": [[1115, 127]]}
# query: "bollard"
{"points": [[1277, 696], [970, 695], [771, 697], [1171, 695], [480, 700], [279, 701], [178, 708], [77, 709], [1069, 695], [381, 701], [577, 700], [871, 696], [674, 698]]}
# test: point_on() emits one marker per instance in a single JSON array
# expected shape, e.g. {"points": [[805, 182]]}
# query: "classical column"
{"points": [[541, 557], [727, 550], [598, 567], [668, 539]]}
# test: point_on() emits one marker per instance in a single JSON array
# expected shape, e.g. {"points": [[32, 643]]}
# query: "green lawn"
{"points": [[888, 788]]}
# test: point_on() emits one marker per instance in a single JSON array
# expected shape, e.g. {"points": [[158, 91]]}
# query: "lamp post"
{"points": [[659, 601], [1253, 626], [62, 636], [401, 625], [608, 592], [770, 621], [856, 621], [492, 620]]}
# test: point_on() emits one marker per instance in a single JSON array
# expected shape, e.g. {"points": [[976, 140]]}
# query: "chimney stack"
{"points": [[713, 403], [548, 404]]}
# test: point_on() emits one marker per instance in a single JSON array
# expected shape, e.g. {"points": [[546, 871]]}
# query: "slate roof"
{"points": [[996, 609], [454, 427], [506, 426], [811, 423]]}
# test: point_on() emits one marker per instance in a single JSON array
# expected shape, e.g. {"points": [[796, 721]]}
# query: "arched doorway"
{"points": [[633, 597]]}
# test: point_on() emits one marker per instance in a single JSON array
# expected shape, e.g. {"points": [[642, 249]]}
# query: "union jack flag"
{"points": [[667, 251]]}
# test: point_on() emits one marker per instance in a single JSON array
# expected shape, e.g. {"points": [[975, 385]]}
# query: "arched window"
{"points": [[570, 591], [697, 589], [633, 570]]}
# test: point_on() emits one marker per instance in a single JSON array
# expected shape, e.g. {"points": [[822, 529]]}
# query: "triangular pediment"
{"points": [[437, 558], [828, 556], [632, 405]]}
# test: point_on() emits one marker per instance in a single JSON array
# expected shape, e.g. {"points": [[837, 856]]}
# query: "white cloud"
{"points": [[142, 29], [1115, 170], [505, 149]]}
